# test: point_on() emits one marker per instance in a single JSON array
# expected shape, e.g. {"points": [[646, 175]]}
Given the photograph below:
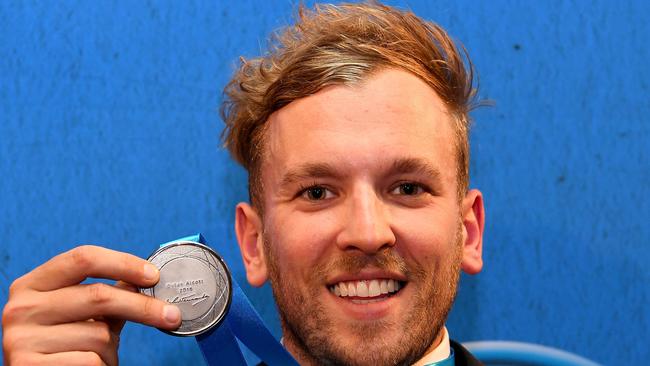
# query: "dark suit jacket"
{"points": [[462, 357]]}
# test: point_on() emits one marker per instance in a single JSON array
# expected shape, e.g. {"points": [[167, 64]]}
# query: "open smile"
{"points": [[367, 295], [366, 291]]}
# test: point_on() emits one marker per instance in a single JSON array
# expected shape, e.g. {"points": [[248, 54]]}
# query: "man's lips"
{"points": [[366, 286], [367, 300]]}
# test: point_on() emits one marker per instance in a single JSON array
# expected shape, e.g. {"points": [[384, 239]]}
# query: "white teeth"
{"points": [[367, 288], [343, 289], [362, 289], [352, 289], [383, 286], [373, 288]]}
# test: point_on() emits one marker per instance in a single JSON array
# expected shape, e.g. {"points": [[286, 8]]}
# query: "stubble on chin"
{"points": [[309, 332]]}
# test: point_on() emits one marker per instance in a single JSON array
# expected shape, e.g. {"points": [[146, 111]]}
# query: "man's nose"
{"points": [[366, 224]]}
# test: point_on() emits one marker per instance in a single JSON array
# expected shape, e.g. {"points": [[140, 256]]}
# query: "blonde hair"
{"points": [[343, 44]]}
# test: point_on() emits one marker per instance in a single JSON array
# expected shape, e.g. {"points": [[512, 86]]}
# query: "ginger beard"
{"points": [[311, 329]]}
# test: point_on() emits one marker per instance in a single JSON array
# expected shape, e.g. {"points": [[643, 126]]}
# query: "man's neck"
{"points": [[439, 350]]}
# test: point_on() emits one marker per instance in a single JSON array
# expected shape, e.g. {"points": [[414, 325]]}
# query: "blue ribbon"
{"points": [[219, 345]]}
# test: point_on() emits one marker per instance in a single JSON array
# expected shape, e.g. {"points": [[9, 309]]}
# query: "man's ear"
{"points": [[473, 214], [248, 227]]}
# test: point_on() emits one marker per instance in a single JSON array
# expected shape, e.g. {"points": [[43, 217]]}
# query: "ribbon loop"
{"points": [[219, 346]]}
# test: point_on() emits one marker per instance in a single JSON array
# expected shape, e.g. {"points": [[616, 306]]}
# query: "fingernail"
{"points": [[171, 314], [150, 272]]}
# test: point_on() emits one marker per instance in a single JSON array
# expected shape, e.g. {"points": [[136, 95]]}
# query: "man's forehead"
{"points": [[394, 110]]}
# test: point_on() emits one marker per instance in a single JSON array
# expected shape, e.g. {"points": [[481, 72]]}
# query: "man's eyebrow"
{"points": [[325, 170], [415, 166], [309, 171]]}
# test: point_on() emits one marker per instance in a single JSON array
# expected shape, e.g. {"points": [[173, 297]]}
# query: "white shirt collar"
{"points": [[441, 352]]}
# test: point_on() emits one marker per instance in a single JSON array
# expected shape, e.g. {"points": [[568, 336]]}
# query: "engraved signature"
{"points": [[192, 298]]}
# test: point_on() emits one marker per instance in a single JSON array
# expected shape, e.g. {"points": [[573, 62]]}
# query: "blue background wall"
{"points": [[109, 135]]}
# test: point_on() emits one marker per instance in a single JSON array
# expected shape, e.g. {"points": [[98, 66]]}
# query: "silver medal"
{"points": [[196, 279]]}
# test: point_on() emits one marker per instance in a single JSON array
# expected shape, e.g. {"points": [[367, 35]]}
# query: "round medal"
{"points": [[196, 279]]}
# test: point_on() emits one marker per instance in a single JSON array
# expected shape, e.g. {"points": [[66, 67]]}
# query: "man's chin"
{"points": [[367, 333], [374, 343]]}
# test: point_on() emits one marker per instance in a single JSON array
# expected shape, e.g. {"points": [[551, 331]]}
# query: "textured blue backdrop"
{"points": [[109, 135]]}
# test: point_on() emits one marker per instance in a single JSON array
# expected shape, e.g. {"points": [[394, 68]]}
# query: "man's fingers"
{"points": [[76, 265], [73, 358], [116, 325], [93, 336], [81, 302], [50, 319]]}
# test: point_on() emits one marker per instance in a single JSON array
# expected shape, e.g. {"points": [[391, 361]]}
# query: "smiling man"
{"points": [[353, 129]]}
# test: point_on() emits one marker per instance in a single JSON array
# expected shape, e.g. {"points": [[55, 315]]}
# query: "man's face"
{"points": [[362, 230]]}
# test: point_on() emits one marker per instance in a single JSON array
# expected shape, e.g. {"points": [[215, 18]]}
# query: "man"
{"points": [[353, 129]]}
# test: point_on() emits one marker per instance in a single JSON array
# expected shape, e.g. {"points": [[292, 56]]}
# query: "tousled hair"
{"points": [[343, 45]]}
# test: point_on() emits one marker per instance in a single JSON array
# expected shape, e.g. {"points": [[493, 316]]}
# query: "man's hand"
{"points": [[52, 319]]}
